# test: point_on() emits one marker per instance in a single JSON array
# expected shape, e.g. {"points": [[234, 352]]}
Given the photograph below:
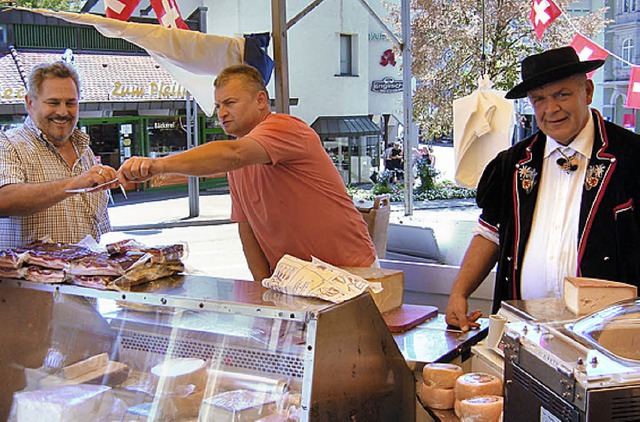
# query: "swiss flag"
{"points": [[588, 50], [633, 92], [168, 14], [120, 9], [543, 12]]}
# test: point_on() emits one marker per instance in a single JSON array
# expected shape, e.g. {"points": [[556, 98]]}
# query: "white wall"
{"points": [[314, 51]]}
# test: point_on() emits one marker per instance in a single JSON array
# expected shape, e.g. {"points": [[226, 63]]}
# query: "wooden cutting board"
{"points": [[408, 316]]}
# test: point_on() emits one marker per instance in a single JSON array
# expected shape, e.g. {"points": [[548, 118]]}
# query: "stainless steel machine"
{"points": [[582, 370]]}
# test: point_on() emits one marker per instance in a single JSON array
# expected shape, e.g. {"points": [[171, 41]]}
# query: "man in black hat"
{"points": [[559, 203]]}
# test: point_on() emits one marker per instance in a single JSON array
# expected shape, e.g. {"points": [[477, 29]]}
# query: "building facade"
{"points": [[344, 76], [622, 37]]}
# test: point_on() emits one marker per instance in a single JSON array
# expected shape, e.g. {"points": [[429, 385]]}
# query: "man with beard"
{"points": [[46, 157]]}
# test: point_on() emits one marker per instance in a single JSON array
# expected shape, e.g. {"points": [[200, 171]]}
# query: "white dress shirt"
{"points": [[552, 249]]}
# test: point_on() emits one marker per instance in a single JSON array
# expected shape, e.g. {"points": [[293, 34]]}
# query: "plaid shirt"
{"points": [[27, 157]]}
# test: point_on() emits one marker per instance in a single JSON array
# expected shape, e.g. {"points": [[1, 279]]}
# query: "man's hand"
{"points": [[137, 169], [456, 314], [96, 175]]}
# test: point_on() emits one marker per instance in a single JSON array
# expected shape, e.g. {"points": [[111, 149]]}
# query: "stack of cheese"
{"points": [[478, 397], [437, 389]]}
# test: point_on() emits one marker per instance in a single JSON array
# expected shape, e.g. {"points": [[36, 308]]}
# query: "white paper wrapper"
{"points": [[316, 279]]}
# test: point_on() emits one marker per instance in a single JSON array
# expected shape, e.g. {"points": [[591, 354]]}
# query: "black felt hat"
{"points": [[550, 66]]}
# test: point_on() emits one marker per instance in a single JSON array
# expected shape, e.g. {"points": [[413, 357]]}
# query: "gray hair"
{"points": [[50, 70]]}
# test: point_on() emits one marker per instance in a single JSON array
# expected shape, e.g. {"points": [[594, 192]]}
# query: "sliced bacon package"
{"points": [[124, 264], [53, 255], [11, 259]]}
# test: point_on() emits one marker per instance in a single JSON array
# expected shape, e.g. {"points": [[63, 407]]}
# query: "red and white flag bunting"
{"points": [[588, 50], [543, 12], [633, 92], [168, 14], [120, 9]]}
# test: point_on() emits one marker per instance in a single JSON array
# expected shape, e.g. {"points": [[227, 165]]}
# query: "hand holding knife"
{"points": [[100, 186]]}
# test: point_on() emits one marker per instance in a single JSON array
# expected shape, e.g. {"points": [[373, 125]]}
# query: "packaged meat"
{"points": [[43, 275], [53, 255], [11, 259]]}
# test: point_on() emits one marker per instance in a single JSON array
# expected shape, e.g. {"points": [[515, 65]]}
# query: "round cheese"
{"points": [[481, 409], [477, 384], [456, 408], [441, 375], [180, 373], [437, 398]]}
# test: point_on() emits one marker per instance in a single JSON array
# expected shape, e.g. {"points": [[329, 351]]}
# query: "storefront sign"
{"points": [[378, 36], [386, 85], [153, 90], [7, 93], [164, 125]]}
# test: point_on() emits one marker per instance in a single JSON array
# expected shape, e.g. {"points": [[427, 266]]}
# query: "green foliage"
{"points": [[451, 51], [58, 5], [443, 190], [426, 173]]}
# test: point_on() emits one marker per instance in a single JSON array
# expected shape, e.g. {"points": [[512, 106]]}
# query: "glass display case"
{"points": [[196, 348]]}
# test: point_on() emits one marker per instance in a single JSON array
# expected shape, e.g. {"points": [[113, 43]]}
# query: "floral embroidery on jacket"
{"points": [[527, 177], [593, 176]]}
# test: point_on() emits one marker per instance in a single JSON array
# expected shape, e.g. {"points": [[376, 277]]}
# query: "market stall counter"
{"points": [[196, 348], [267, 355]]}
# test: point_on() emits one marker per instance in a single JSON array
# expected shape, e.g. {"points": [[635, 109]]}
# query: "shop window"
{"points": [[338, 150], [167, 136], [113, 142], [355, 157]]}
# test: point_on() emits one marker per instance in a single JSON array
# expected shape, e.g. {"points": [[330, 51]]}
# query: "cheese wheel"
{"points": [[481, 409], [441, 375], [179, 373], [477, 384], [456, 408], [437, 398]]}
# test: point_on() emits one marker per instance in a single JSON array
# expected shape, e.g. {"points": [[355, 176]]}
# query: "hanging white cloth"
{"points": [[483, 125], [192, 58]]}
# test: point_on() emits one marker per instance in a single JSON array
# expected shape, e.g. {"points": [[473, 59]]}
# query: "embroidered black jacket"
{"points": [[609, 228]]}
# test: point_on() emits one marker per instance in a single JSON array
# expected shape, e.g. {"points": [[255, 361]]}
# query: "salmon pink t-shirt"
{"points": [[298, 204]]}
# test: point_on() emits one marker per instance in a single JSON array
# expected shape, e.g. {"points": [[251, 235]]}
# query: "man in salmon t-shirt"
{"points": [[287, 196]]}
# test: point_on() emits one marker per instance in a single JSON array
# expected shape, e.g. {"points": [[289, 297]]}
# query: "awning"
{"points": [[347, 126]]}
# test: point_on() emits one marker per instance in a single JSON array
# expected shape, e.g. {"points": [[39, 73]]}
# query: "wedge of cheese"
{"points": [[585, 295], [392, 284]]}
